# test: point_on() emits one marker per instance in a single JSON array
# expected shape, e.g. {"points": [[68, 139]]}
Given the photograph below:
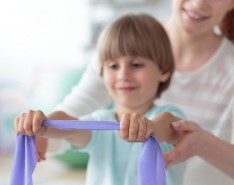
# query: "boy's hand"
{"points": [[29, 123], [135, 127], [41, 147]]}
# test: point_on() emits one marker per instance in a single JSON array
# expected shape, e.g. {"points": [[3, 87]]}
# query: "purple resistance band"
{"points": [[151, 168]]}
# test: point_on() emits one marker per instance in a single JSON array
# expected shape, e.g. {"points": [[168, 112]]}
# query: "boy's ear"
{"points": [[165, 76]]}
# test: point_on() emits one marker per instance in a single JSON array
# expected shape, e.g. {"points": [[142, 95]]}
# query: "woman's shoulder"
{"points": [[223, 61], [226, 57], [227, 47]]}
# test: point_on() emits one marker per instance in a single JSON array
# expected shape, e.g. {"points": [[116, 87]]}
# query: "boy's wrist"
{"points": [[43, 131]]}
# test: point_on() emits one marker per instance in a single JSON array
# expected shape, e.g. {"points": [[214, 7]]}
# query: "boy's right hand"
{"points": [[29, 123]]}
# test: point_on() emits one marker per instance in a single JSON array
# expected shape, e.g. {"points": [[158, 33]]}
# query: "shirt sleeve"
{"points": [[88, 95]]}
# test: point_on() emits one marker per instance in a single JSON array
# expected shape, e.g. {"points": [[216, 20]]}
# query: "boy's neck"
{"points": [[120, 110]]}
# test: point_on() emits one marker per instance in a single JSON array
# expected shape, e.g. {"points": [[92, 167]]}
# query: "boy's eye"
{"points": [[137, 65], [113, 66]]}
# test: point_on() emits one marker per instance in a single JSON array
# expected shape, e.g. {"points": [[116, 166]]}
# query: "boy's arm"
{"points": [[42, 142], [136, 128], [30, 124], [78, 138], [162, 128]]}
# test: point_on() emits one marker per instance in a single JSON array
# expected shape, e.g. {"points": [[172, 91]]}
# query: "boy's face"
{"points": [[132, 81]]}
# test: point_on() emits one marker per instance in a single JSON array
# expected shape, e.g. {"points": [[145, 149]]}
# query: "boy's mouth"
{"points": [[126, 88]]}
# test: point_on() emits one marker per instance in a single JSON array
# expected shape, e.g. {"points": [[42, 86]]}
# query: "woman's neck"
{"points": [[191, 52]]}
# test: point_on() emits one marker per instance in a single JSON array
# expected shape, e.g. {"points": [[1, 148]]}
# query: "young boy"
{"points": [[136, 64]]}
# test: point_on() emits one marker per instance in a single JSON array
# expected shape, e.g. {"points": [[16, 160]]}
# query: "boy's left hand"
{"points": [[135, 127], [41, 147]]}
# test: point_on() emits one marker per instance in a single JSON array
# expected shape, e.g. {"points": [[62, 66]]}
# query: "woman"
{"points": [[202, 87]]}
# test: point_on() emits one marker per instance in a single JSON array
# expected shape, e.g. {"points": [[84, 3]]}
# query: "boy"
{"points": [[136, 64]]}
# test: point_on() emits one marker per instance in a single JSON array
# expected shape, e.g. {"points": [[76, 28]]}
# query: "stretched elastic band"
{"points": [[151, 168]]}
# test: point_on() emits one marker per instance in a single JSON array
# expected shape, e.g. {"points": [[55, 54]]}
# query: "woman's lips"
{"points": [[194, 16]]}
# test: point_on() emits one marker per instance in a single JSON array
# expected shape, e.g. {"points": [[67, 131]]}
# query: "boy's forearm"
{"points": [[57, 133], [78, 138], [60, 115], [163, 131]]}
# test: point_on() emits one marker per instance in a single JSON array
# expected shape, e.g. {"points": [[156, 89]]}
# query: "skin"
{"points": [[194, 42], [127, 79], [190, 29], [200, 142]]}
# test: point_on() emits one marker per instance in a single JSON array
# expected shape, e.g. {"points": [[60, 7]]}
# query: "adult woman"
{"points": [[202, 86]]}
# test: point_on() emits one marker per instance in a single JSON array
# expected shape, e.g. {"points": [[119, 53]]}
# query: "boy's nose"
{"points": [[123, 73]]}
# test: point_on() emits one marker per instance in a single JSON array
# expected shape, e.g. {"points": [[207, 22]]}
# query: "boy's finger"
{"points": [[28, 123], [124, 126], [142, 129], [20, 126], [150, 128], [38, 118], [134, 127], [16, 123]]}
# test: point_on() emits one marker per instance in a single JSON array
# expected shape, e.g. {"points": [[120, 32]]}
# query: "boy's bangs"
{"points": [[123, 45]]}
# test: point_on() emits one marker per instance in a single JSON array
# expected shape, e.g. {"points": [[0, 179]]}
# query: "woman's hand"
{"points": [[135, 127], [29, 123], [189, 145]]}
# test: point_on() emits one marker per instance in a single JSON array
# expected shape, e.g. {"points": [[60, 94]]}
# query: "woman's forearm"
{"points": [[218, 153]]}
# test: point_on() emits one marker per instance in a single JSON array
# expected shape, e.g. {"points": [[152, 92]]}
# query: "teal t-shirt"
{"points": [[113, 161]]}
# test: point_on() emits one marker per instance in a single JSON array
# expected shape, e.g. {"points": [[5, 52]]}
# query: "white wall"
{"points": [[42, 31], [48, 32], [41, 38]]}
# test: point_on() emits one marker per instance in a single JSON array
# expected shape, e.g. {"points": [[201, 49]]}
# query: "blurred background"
{"points": [[45, 46]]}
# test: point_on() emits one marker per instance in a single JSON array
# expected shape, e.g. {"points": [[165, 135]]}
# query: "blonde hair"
{"points": [[137, 36]]}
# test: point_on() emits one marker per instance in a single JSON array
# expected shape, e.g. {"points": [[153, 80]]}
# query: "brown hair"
{"points": [[227, 25], [138, 36]]}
